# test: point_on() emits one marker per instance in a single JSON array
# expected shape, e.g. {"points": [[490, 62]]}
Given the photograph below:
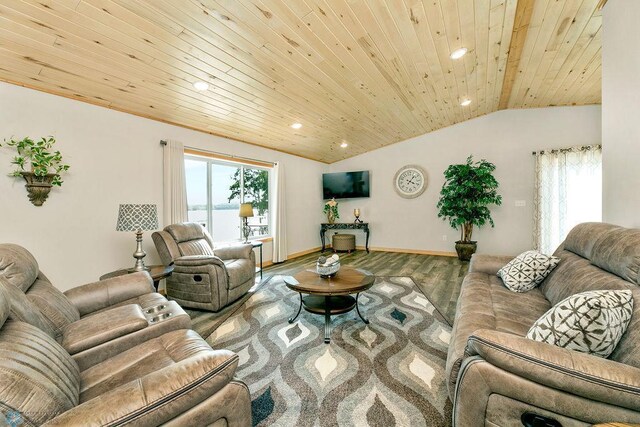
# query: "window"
{"points": [[568, 192], [215, 190]]}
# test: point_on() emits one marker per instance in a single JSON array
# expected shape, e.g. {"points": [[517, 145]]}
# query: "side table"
{"points": [[258, 244], [157, 272]]}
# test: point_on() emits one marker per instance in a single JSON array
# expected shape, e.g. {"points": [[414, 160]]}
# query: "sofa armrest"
{"points": [[489, 264], [235, 251], [157, 397], [576, 373], [105, 293], [197, 261]]}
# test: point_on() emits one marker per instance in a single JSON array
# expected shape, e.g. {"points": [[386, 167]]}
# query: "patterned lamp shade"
{"points": [[137, 217]]}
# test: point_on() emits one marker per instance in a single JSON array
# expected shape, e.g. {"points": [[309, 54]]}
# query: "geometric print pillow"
{"points": [[590, 322], [527, 270]]}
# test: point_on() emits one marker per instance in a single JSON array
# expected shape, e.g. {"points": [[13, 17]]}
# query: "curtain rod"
{"points": [[239, 158], [567, 150]]}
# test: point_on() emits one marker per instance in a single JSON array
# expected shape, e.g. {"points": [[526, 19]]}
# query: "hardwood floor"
{"points": [[438, 277]]}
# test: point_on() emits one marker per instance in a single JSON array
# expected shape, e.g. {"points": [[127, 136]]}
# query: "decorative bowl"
{"points": [[326, 271]]}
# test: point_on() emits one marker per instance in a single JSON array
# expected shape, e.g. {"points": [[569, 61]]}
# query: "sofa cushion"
{"points": [[23, 310], [583, 237], [39, 379], [527, 270], [575, 274], [148, 357], [618, 252], [186, 231], [485, 303], [53, 304], [590, 322], [18, 266]]}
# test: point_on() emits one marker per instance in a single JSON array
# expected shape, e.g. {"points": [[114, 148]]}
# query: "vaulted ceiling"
{"points": [[365, 72]]}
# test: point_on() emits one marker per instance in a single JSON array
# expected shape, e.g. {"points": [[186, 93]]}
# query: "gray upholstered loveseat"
{"points": [[496, 374]]}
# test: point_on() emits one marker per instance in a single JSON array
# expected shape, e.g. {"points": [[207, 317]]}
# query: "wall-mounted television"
{"points": [[345, 185]]}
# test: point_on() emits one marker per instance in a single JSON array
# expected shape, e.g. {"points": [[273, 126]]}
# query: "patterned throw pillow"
{"points": [[590, 322], [527, 270]]}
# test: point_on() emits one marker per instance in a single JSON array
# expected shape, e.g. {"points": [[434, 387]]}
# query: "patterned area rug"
{"points": [[390, 372]]}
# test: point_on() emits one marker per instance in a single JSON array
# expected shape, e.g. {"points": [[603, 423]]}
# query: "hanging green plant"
{"points": [[38, 164]]}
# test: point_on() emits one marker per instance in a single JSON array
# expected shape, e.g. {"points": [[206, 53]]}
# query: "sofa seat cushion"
{"points": [[590, 322], [91, 331], [149, 357], [485, 303], [38, 378], [239, 270]]}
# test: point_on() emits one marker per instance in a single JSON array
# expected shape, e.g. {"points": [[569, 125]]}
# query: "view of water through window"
{"points": [[215, 191]]}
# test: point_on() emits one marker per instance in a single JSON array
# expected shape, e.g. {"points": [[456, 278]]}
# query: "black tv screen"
{"points": [[345, 185]]}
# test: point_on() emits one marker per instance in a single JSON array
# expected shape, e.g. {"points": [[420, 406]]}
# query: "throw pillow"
{"points": [[590, 322], [527, 270]]}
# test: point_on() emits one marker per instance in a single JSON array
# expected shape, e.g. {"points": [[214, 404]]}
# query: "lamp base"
{"points": [[139, 254], [246, 230]]}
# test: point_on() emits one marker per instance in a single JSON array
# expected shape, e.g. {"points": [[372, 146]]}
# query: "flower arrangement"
{"points": [[331, 209]]}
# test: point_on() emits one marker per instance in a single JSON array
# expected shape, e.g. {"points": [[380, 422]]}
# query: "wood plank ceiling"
{"points": [[365, 72]]}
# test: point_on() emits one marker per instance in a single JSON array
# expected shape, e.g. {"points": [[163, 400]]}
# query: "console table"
{"points": [[364, 226]]}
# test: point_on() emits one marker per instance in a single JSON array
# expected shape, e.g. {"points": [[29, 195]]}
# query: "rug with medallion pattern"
{"points": [[387, 373]]}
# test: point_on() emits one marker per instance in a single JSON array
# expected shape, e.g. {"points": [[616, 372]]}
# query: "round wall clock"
{"points": [[410, 181]]}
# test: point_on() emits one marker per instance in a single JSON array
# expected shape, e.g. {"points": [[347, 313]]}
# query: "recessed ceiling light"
{"points": [[296, 125], [465, 102], [344, 145], [201, 85], [459, 53]]}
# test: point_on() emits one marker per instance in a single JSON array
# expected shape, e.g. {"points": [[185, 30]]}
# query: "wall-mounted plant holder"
{"points": [[38, 187], [38, 165]]}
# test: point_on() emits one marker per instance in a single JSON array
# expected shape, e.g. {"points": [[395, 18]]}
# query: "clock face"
{"points": [[410, 181]]}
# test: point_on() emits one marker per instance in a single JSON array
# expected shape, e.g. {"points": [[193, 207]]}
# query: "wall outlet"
{"points": [[444, 237], [521, 203]]}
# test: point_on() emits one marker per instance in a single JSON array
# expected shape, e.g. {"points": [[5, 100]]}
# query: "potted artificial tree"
{"points": [[468, 191], [39, 165]]}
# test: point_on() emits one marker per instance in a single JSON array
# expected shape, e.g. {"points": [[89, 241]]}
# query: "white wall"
{"points": [[505, 138], [115, 158], [620, 109]]}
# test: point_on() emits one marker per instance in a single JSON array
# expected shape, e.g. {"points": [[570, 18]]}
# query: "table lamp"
{"points": [[137, 218], [246, 211]]}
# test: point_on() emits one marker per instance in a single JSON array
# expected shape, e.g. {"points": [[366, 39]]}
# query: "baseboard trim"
{"points": [[294, 255], [269, 263], [409, 251]]}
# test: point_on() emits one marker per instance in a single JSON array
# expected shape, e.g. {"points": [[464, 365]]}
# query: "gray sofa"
{"points": [[203, 277], [496, 375], [108, 353], [92, 322]]}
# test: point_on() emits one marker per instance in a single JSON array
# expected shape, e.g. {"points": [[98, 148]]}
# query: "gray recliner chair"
{"points": [[203, 277]]}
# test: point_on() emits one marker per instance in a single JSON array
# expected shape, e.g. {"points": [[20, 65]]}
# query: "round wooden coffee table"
{"points": [[329, 296]]}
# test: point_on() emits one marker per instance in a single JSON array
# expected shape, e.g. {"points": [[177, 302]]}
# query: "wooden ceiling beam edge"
{"points": [[524, 11], [146, 116]]}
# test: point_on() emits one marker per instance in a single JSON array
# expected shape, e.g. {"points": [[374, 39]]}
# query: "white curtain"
{"points": [[174, 182], [279, 218], [568, 191]]}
